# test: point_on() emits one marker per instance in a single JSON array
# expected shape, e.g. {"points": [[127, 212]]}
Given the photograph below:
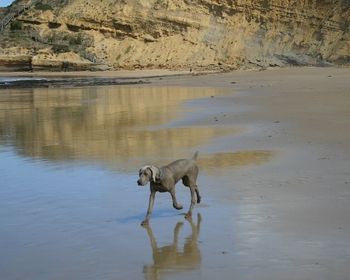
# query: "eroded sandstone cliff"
{"points": [[183, 34]]}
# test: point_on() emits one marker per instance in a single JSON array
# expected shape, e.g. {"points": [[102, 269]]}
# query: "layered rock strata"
{"points": [[188, 34]]}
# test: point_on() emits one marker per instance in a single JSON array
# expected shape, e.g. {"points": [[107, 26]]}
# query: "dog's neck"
{"points": [[157, 176]]}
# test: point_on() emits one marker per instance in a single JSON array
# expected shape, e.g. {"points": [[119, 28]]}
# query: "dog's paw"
{"points": [[188, 216], [178, 206]]}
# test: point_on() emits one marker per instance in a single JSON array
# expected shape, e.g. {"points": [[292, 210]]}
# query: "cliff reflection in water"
{"points": [[112, 125]]}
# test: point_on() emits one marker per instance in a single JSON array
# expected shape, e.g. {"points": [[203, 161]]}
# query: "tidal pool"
{"points": [[70, 206]]}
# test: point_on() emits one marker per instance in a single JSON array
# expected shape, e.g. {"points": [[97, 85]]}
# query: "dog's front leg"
{"points": [[173, 196], [150, 207]]}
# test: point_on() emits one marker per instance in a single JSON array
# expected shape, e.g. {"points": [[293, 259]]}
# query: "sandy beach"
{"points": [[274, 152]]}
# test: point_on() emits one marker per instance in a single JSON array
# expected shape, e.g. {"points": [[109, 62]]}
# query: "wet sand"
{"points": [[44, 79], [275, 180]]}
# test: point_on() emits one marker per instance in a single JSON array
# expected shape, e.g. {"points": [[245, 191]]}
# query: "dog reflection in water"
{"points": [[170, 258]]}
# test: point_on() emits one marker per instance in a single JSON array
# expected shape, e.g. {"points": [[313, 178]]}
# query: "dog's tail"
{"points": [[195, 156]]}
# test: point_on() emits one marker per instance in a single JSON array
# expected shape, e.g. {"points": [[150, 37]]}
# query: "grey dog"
{"points": [[164, 179]]}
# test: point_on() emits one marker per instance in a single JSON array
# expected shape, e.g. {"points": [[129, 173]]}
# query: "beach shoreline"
{"points": [[106, 74], [274, 154]]}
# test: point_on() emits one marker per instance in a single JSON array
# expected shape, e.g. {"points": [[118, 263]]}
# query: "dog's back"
{"points": [[183, 167]]}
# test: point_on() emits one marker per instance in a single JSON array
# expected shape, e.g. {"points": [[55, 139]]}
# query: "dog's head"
{"points": [[148, 173]]}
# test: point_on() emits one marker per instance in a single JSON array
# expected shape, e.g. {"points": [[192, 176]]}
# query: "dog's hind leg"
{"points": [[193, 202], [197, 194]]}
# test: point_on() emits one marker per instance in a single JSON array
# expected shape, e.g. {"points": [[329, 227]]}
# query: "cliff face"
{"points": [[199, 34]]}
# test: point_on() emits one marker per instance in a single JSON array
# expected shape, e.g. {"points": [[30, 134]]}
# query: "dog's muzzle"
{"points": [[139, 183]]}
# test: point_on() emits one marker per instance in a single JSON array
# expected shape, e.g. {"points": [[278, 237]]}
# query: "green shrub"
{"points": [[16, 25], [76, 39], [43, 7], [60, 48], [128, 49]]}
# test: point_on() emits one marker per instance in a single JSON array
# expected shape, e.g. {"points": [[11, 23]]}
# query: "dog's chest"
{"points": [[159, 187]]}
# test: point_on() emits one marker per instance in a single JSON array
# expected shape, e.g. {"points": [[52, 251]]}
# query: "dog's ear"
{"points": [[155, 173]]}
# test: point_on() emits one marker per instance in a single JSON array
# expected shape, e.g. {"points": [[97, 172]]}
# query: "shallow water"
{"points": [[70, 207]]}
